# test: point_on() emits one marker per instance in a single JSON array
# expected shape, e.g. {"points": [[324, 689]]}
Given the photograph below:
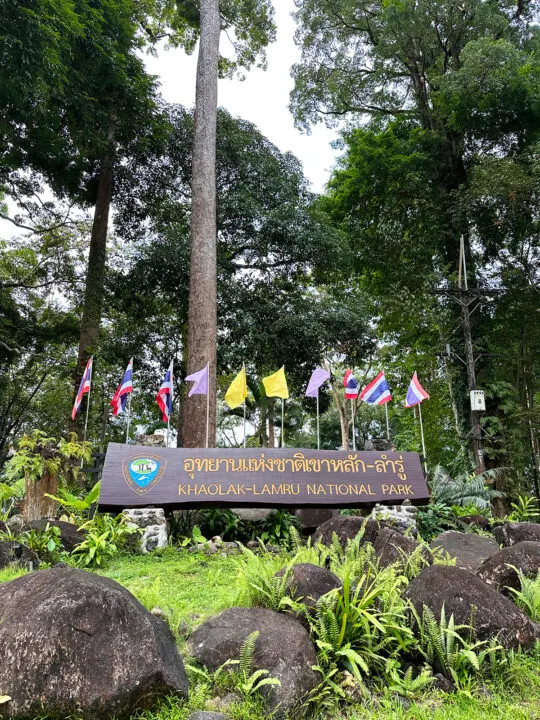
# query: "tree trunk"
{"points": [[342, 418], [36, 505], [95, 274], [202, 317]]}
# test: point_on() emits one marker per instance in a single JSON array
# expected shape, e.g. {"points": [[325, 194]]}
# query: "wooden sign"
{"points": [[137, 476]]}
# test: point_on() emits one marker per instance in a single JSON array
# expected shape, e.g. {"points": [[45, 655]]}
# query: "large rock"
{"points": [[12, 551], [501, 570], [469, 550], [478, 521], [347, 527], [69, 533], [75, 643], [393, 547], [283, 647], [310, 518], [399, 517], [469, 598], [308, 583], [513, 532], [153, 523]]}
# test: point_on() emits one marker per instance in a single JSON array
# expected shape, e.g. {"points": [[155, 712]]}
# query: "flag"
{"points": [[318, 377], [377, 392], [120, 397], [200, 382], [415, 393], [164, 398], [351, 385], [84, 387], [276, 385], [237, 392]]}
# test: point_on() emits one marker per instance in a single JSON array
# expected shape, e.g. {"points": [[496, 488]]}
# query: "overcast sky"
{"points": [[262, 98]]}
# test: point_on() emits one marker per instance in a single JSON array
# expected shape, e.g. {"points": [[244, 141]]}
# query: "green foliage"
{"points": [[434, 519], [452, 650], [38, 454], [276, 528], [104, 538], [45, 542], [528, 597], [257, 581], [526, 509], [77, 507], [464, 489]]}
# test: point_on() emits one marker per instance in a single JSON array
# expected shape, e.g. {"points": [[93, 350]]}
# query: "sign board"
{"points": [[137, 476]]}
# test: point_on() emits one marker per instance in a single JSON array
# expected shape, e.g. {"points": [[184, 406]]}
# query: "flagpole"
{"points": [[282, 420], [352, 422], [207, 401], [422, 434], [387, 423], [318, 434], [128, 418], [88, 405], [168, 428], [245, 388]]}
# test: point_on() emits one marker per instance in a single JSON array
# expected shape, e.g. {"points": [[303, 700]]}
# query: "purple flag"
{"points": [[200, 382], [319, 377]]}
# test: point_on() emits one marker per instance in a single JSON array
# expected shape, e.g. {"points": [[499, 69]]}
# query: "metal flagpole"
{"points": [[168, 428], [282, 420], [422, 434], [352, 418], [387, 423], [318, 433], [207, 401], [244, 369], [128, 418]]}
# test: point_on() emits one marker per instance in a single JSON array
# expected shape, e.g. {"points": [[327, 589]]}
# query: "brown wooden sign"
{"points": [[137, 476]]}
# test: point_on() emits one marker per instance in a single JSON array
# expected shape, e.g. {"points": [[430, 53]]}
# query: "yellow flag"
{"points": [[237, 392], [276, 385]]}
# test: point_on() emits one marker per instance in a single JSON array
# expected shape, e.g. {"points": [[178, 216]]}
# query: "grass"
{"points": [[192, 587]]}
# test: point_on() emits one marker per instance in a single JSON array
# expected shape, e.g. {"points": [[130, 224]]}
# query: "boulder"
{"points": [[392, 547], [470, 599], [308, 583], [75, 643], [399, 517], [501, 569], [513, 532], [310, 518], [207, 715], [347, 527], [154, 527], [253, 514], [469, 550], [12, 551], [69, 533], [283, 647]]}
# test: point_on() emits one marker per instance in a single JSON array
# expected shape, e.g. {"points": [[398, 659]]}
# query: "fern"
{"points": [[528, 598], [245, 659], [464, 489]]}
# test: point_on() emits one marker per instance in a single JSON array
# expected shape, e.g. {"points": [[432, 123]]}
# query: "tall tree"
{"points": [[202, 317]]}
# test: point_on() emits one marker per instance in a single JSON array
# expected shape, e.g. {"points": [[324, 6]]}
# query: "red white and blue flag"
{"points": [[120, 397], [164, 398], [415, 393], [351, 386], [377, 392], [84, 387]]}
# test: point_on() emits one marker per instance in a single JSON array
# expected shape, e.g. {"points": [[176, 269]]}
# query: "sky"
{"points": [[262, 98]]}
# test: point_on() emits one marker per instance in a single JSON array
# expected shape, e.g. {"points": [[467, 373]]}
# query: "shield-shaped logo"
{"points": [[143, 472]]}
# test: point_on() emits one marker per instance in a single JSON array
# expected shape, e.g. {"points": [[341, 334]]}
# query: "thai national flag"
{"points": [[377, 392], [120, 397], [164, 398], [351, 386], [84, 387], [415, 393]]}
